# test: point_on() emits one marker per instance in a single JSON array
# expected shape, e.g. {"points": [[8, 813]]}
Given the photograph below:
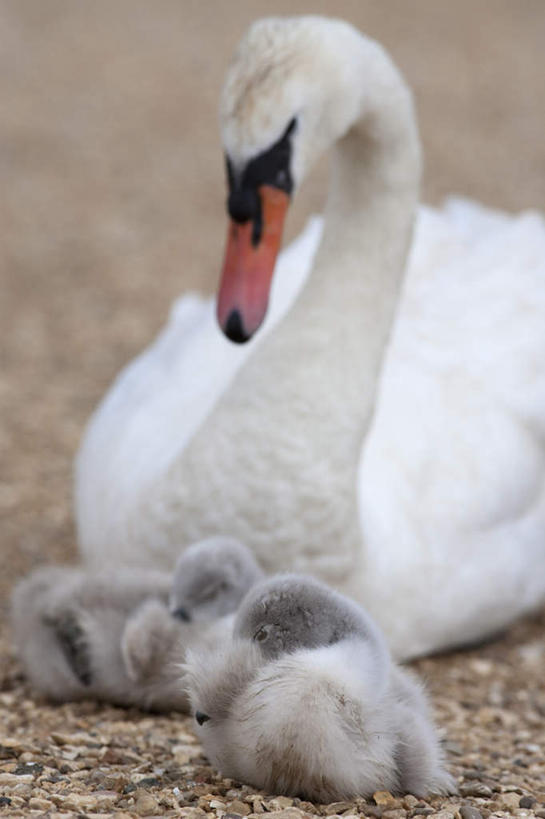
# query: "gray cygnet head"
{"points": [[305, 700], [289, 612], [211, 578]]}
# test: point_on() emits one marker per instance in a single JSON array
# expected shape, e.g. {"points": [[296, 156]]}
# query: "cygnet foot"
{"points": [[73, 643]]}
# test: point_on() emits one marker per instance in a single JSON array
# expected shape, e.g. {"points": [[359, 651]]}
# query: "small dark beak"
{"points": [[181, 614], [200, 717]]}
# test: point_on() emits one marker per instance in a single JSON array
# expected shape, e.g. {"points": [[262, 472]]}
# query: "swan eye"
{"points": [[262, 633], [201, 718], [281, 178]]}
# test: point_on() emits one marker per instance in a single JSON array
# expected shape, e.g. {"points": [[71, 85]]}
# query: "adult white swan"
{"points": [[431, 509]]}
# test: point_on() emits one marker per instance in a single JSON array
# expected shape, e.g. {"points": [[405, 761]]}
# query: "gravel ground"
{"points": [[112, 203], [95, 760]]}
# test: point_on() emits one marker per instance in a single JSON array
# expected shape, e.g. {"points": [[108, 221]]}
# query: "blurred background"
{"points": [[113, 189]]}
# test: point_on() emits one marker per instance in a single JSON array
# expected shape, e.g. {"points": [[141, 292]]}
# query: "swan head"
{"points": [[294, 87], [211, 578]]}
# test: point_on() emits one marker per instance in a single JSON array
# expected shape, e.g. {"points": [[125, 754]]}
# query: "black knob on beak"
{"points": [[243, 204]]}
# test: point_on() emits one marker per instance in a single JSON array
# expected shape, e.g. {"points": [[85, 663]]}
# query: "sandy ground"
{"points": [[112, 204]]}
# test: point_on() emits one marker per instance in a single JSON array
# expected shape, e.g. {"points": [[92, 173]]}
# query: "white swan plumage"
{"points": [[401, 460]]}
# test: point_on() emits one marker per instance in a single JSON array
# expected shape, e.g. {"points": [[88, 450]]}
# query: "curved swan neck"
{"points": [[344, 314], [308, 389], [373, 191]]}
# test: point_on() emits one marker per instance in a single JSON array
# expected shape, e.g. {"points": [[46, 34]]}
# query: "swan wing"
{"points": [[452, 476]]}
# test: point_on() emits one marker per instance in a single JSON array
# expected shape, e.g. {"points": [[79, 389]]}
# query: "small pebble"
{"points": [[409, 801], [145, 804], [31, 768], [279, 803], [17, 802], [106, 799], [11, 746], [307, 807], [454, 748], [383, 798], [288, 813], [476, 789], [217, 804], [15, 779], [394, 813], [148, 782], [241, 808], [23, 790], [337, 807], [508, 801], [472, 773], [129, 787], [469, 812], [80, 802], [40, 804], [526, 802], [482, 667]]}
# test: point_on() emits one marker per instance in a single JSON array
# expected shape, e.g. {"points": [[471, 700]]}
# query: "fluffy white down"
{"points": [[313, 720], [324, 723], [440, 532]]}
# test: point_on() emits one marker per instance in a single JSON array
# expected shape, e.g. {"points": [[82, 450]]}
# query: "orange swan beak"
{"points": [[249, 265]]}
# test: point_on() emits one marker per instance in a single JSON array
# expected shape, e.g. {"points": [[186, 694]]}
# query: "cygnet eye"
{"points": [[262, 633], [181, 614], [201, 718]]}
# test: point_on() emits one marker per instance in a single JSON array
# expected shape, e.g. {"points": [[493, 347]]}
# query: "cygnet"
{"points": [[211, 578], [110, 635], [305, 700]]}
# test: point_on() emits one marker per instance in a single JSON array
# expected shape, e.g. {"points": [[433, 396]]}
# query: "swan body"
{"points": [[305, 700], [120, 636], [385, 430]]}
